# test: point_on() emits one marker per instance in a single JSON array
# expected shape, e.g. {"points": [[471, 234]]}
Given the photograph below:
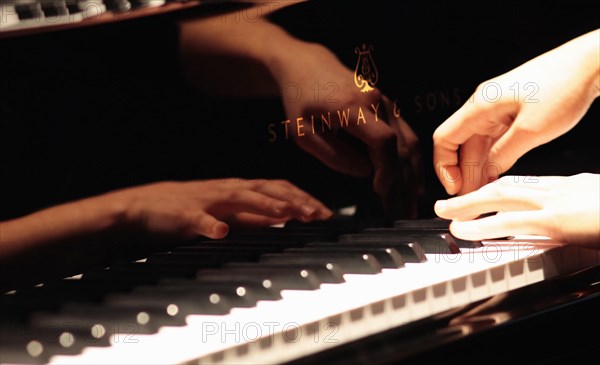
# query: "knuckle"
{"points": [[258, 183], [235, 195]]}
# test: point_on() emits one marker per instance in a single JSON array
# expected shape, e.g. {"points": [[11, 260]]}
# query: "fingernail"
{"points": [[220, 229], [307, 210]]}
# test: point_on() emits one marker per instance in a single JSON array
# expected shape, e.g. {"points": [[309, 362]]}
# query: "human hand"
{"points": [[513, 113], [208, 208], [564, 208], [318, 88]]}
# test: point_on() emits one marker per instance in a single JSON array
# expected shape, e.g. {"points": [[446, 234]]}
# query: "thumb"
{"points": [[209, 226]]}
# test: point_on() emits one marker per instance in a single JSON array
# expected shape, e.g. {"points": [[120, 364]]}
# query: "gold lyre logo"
{"points": [[365, 74]]}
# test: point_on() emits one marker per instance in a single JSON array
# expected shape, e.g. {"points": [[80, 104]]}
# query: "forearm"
{"points": [[230, 54], [66, 222]]}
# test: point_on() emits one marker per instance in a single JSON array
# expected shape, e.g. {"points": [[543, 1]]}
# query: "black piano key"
{"points": [[152, 317], [261, 289], [54, 8], [431, 242], [238, 296], [184, 303], [350, 263], [326, 272], [29, 10], [247, 295], [279, 278], [410, 251], [141, 273], [423, 224], [117, 5], [33, 345], [205, 257], [97, 324], [61, 291], [462, 243], [426, 228], [258, 248], [282, 235], [73, 6], [314, 275], [337, 224], [17, 309], [388, 257]]}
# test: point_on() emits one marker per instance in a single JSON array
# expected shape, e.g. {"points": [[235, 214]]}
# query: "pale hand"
{"points": [[566, 209], [513, 113]]}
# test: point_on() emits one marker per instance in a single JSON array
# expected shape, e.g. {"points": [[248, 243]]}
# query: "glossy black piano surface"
{"points": [[94, 108]]}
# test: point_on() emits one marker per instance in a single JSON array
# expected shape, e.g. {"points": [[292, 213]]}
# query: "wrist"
{"points": [[284, 62]]}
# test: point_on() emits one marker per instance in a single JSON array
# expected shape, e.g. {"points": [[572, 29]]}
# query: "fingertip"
{"points": [[307, 210], [219, 230], [467, 230], [451, 188], [325, 214], [440, 206]]}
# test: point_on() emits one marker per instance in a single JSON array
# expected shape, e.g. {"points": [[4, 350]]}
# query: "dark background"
{"points": [[89, 110]]}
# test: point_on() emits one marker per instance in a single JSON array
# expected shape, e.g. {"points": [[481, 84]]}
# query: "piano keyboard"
{"points": [[270, 296], [18, 15]]}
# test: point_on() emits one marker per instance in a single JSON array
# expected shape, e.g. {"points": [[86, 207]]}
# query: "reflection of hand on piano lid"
{"points": [[352, 130]]}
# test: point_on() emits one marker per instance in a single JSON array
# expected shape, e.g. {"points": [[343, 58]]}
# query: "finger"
{"points": [[414, 169], [302, 203], [473, 118], [207, 225], [381, 141], [489, 199], [336, 154], [247, 200], [543, 183], [250, 220], [473, 162], [500, 225]]}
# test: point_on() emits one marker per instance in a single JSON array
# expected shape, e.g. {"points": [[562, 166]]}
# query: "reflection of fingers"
{"points": [[209, 226], [490, 198], [501, 225], [381, 141], [410, 139], [415, 154], [336, 154]]}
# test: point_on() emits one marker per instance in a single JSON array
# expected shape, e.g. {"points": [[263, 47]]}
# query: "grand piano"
{"points": [[98, 100]]}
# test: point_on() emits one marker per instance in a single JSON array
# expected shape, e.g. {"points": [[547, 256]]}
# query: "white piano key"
{"points": [[8, 16]]}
